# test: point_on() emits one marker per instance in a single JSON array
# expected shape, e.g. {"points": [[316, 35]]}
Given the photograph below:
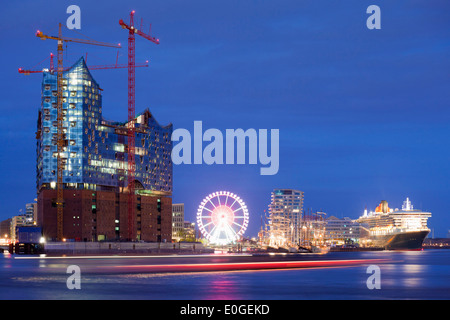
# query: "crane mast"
{"points": [[132, 30]]}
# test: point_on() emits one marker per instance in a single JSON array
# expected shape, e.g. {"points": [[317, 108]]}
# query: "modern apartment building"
{"points": [[344, 231], [285, 214], [177, 221]]}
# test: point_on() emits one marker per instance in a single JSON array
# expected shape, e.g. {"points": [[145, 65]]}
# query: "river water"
{"points": [[402, 275]]}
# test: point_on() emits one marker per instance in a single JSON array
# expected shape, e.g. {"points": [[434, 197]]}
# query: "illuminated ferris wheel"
{"points": [[222, 217]]}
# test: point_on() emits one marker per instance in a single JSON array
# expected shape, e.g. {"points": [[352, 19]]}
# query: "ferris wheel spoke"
{"points": [[207, 224], [231, 231], [216, 233], [240, 208], [240, 225], [212, 203], [224, 230], [207, 209], [226, 233], [212, 231]]}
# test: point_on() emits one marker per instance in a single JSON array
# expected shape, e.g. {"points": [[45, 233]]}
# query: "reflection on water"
{"points": [[408, 275], [412, 282], [223, 288], [413, 268]]}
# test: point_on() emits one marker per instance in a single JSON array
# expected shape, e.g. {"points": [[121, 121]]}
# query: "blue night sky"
{"points": [[363, 114]]}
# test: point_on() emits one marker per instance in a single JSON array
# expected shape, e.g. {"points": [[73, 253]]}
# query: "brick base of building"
{"points": [[103, 216]]}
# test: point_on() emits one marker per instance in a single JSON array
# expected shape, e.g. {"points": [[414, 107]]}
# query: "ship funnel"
{"points": [[383, 207]]}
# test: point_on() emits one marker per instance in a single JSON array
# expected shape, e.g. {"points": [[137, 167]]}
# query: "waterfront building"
{"points": [[17, 221], [285, 213], [95, 173], [344, 231], [189, 231], [177, 221], [5, 229], [31, 213]]}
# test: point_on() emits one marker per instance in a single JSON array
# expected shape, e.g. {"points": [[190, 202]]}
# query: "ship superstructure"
{"points": [[396, 229]]}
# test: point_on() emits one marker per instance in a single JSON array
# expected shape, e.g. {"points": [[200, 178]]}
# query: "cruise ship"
{"points": [[403, 229]]}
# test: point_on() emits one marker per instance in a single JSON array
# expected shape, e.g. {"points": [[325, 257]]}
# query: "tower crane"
{"points": [[132, 31], [27, 72], [60, 137]]}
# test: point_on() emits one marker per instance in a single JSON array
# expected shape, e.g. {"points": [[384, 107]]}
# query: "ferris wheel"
{"points": [[222, 217]]}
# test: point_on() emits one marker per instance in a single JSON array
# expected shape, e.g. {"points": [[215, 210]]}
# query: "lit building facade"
{"points": [[31, 213], [285, 214], [95, 158], [344, 231], [5, 232], [189, 231], [5, 228], [17, 221], [177, 221]]}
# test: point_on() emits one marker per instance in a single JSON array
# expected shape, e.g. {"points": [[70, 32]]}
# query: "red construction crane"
{"points": [[132, 31], [27, 72], [60, 135]]}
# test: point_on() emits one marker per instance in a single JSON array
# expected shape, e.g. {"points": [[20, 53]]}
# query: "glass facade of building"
{"points": [[177, 221], [343, 231], [95, 150], [285, 214]]}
